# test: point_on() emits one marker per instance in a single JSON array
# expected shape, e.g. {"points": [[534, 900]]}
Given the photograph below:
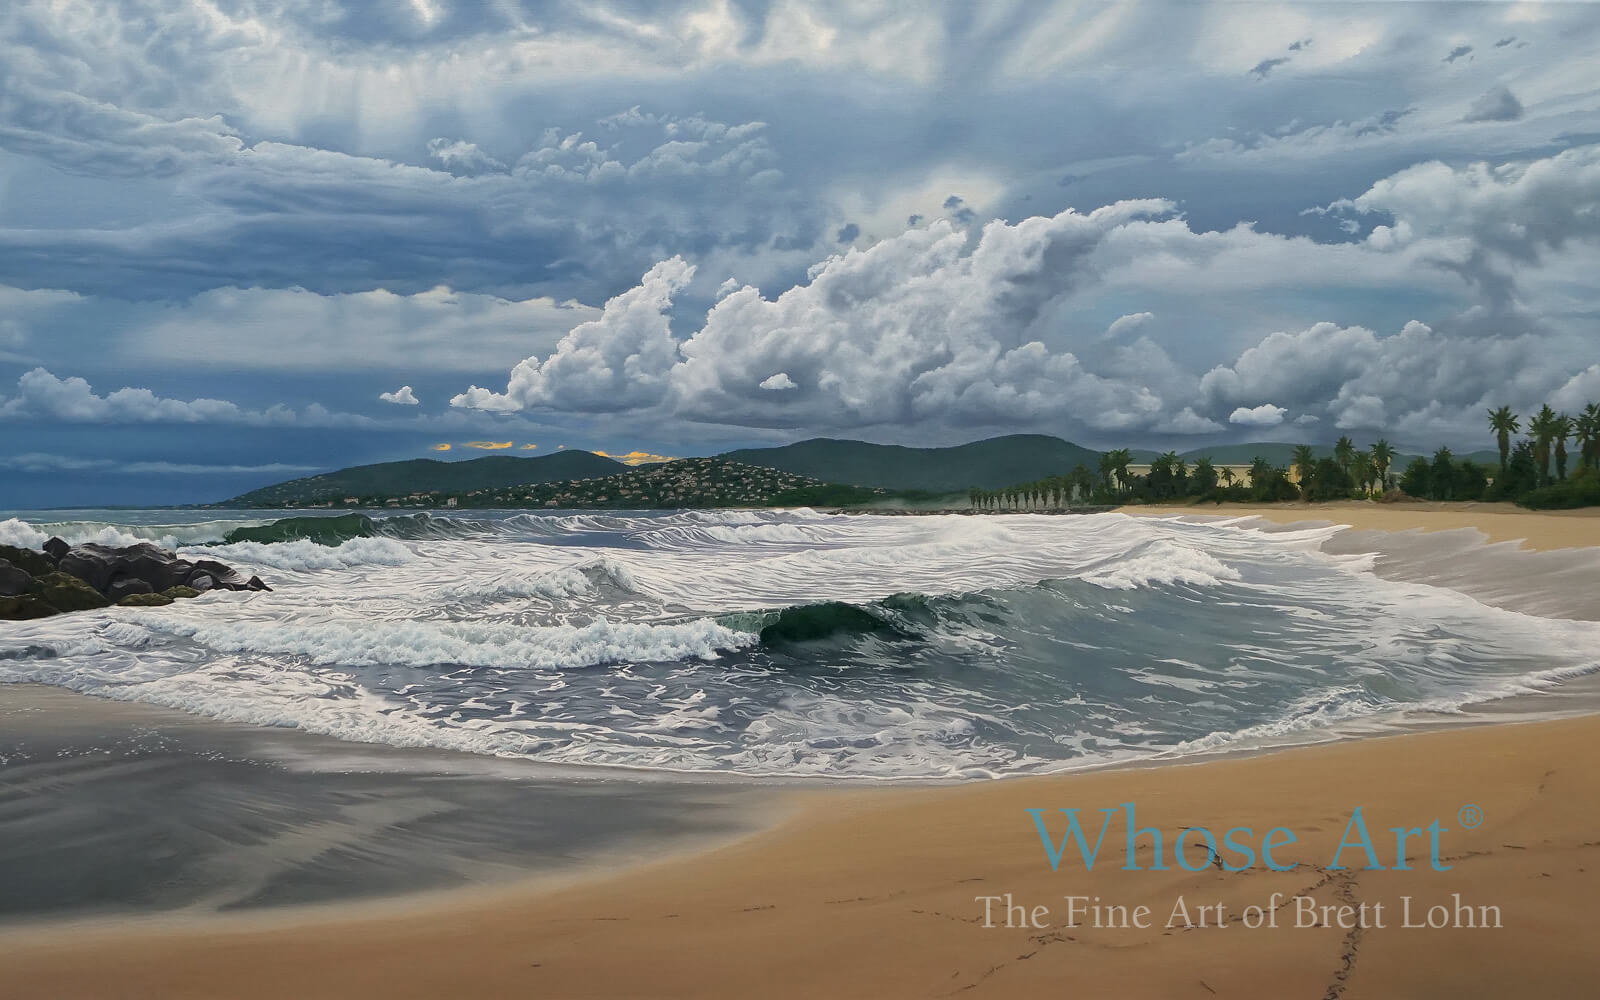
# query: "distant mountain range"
{"points": [[994, 463], [988, 464], [428, 475]]}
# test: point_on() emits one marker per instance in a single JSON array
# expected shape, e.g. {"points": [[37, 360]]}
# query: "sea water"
{"points": [[791, 643]]}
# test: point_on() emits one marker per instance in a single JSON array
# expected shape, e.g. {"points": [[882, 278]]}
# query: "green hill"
{"points": [[427, 475], [990, 464]]}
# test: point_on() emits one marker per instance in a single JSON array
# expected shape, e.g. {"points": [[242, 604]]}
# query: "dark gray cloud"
{"points": [[279, 171], [1266, 66], [1498, 104]]}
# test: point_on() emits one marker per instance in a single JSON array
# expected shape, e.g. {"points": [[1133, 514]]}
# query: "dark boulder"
{"points": [[95, 576], [222, 577], [67, 593], [30, 562], [23, 608], [145, 601], [127, 586], [55, 548], [101, 566], [92, 563], [14, 579]]}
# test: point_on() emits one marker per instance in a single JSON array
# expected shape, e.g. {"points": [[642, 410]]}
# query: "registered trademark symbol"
{"points": [[1470, 816]]}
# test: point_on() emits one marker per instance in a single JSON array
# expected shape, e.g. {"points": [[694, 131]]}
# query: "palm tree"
{"points": [[1586, 434], [1382, 455], [1542, 428], [1108, 468], [1205, 475], [1361, 469], [1120, 459], [1563, 430], [1305, 463], [1504, 423], [1226, 475], [1344, 451], [1442, 476]]}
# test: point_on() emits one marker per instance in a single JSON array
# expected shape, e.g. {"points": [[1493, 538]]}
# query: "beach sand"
{"points": [[1542, 530], [877, 892], [873, 894]]}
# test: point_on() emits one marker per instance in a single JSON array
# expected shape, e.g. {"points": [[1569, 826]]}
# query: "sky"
{"points": [[247, 240]]}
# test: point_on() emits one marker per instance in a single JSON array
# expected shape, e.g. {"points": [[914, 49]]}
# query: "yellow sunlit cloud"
{"points": [[440, 447], [487, 445], [638, 457], [529, 447]]}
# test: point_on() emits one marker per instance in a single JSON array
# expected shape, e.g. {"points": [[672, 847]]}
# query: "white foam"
{"points": [[563, 581], [28, 535], [303, 555], [1163, 562], [421, 644]]}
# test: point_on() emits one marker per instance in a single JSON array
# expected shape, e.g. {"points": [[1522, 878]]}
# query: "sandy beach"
{"points": [[878, 895], [1538, 530], [902, 891]]}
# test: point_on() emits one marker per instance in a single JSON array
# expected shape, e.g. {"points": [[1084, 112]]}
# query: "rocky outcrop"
{"points": [[14, 579], [65, 592], [30, 562], [84, 577]]}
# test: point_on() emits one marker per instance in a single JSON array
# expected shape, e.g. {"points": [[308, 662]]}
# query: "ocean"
{"points": [[794, 644]]}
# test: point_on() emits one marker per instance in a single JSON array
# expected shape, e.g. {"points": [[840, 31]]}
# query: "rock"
{"points": [[24, 608], [66, 593], [101, 566], [95, 576], [55, 548], [30, 562], [92, 563], [222, 577], [156, 566], [145, 601], [127, 586], [14, 580]]}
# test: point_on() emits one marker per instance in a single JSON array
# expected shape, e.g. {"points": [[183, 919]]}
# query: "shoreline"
{"points": [[872, 890], [1498, 523], [888, 886]]}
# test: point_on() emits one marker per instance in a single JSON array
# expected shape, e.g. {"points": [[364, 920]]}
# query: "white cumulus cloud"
{"points": [[1265, 415]]}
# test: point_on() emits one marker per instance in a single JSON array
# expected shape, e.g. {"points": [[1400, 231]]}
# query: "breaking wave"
{"points": [[791, 643]]}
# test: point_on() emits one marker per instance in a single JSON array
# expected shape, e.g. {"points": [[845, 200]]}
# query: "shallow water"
{"points": [[788, 644]]}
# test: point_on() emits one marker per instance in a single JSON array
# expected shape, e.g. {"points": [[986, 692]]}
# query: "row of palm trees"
{"points": [[1539, 460], [1548, 433]]}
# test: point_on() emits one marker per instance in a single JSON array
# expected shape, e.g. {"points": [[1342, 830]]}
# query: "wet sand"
{"points": [[878, 894], [882, 891], [109, 808]]}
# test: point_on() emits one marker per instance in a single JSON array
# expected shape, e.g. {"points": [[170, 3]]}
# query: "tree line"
{"points": [[1533, 471]]}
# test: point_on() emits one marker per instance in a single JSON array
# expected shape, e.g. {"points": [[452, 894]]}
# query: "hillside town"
{"points": [[689, 482]]}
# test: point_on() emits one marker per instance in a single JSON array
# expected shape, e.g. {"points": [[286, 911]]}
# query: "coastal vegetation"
{"points": [[1538, 471]]}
